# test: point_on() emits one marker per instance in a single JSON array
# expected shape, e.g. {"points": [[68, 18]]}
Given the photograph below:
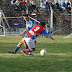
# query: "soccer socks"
{"points": [[16, 49], [27, 50], [26, 47]]}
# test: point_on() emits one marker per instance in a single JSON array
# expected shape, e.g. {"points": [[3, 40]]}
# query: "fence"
{"points": [[62, 25]]}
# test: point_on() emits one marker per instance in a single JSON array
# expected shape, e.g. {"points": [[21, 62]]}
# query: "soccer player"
{"points": [[33, 32], [29, 23]]}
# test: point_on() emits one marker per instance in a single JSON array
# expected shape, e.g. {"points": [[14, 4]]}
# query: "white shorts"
{"points": [[30, 42]]}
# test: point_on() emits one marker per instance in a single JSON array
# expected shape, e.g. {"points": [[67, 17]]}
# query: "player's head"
{"points": [[25, 16], [42, 24]]}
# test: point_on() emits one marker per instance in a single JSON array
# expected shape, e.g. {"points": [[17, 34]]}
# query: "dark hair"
{"points": [[25, 15], [42, 23]]}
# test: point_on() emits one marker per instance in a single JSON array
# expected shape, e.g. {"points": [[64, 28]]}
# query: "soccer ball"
{"points": [[43, 52]]}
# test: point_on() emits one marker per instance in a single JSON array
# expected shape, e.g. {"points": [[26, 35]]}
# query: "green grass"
{"points": [[57, 59]]}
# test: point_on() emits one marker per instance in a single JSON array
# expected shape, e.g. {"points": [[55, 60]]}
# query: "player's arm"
{"points": [[23, 32], [48, 35], [53, 39], [26, 30]]}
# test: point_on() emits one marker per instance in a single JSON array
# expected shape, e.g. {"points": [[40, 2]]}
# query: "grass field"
{"points": [[57, 59]]}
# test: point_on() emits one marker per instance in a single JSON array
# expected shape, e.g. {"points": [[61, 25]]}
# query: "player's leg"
{"points": [[28, 50], [17, 47], [25, 44], [31, 45]]}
